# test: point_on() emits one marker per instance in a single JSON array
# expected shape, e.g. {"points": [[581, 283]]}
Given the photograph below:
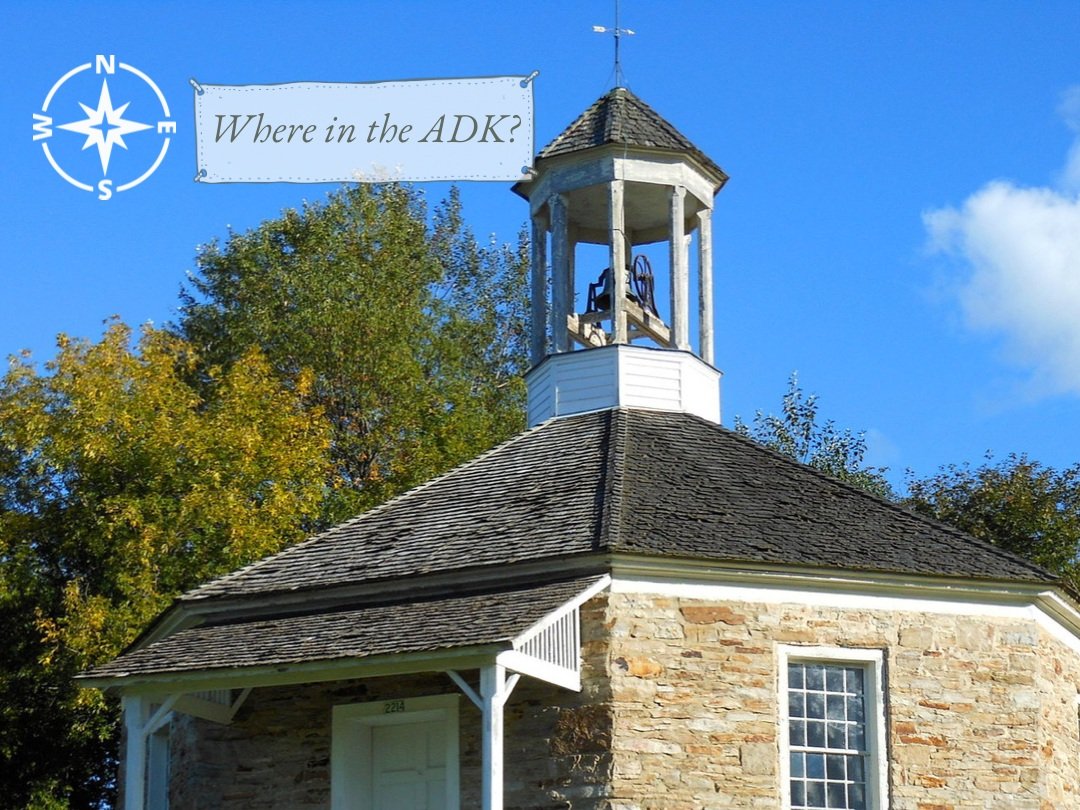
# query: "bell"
{"points": [[639, 287]]}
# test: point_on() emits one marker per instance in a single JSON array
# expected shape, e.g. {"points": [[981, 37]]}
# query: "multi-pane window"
{"points": [[832, 729], [827, 735]]}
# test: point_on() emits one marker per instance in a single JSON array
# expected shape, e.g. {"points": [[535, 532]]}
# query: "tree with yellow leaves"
{"points": [[121, 485]]}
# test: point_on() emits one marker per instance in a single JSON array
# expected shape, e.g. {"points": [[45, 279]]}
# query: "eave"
{"points": [[339, 669], [1052, 607]]}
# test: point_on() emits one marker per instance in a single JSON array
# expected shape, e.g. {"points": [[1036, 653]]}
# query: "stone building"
{"points": [[626, 606]]}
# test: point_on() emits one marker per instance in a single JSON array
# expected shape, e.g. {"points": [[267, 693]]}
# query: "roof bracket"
{"points": [[463, 685]]}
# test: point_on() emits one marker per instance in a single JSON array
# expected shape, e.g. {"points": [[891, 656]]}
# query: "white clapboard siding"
{"points": [[623, 376]]}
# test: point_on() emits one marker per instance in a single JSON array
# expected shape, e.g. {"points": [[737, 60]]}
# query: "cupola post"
{"points": [[538, 290], [680, 274], [705, 285]]}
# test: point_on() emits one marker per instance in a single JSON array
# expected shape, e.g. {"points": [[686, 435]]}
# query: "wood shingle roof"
{"points": [[620, 117], [410, 626], [655, 483], [560, 497]]}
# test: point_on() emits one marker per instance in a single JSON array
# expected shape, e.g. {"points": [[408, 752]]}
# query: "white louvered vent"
{"points": [[557, 644], [222, 697], [551, 649]]}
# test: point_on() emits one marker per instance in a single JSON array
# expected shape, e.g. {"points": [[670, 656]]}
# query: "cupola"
{"points": [[621, 176]]}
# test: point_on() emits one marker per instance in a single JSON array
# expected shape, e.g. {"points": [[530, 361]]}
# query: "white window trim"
{"points": [[350, 787], [873, 661], [158, 753]]}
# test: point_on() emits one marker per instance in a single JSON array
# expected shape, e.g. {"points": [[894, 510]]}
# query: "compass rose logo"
{"points": [[105, 126]]}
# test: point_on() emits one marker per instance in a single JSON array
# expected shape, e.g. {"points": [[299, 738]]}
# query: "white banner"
{"points": [[321, 132]]}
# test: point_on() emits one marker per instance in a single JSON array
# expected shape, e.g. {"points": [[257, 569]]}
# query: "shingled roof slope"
{"points": [[636, 481], [723, 495], [620, 117], [533, 497], [416, 626]]}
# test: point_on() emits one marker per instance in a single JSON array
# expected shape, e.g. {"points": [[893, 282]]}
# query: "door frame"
{"points": [[350, 750]]}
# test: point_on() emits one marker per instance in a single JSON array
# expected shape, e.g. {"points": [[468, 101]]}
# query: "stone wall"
{"points": [[680, 709], [558, 743], [1057, 681], [980, 713]]}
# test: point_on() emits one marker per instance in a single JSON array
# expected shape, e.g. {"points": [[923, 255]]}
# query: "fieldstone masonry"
{"points": [[679, 711], [980, 712]]}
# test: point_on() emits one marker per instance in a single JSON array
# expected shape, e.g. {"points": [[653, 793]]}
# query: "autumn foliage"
{"points": [[121, 485], [322, 362]]}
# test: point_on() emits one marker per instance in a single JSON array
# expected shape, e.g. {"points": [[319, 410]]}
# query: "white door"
{"points": [[396, 755], [408, 766]]}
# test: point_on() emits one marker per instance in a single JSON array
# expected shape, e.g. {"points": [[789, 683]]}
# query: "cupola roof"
{"points": [[620, 117]]}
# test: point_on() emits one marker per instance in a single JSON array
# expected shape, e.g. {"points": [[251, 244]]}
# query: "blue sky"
{"points": [[902, 226]]}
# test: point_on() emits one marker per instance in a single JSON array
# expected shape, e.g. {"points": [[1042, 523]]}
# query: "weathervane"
{"points": [[618, 32]]}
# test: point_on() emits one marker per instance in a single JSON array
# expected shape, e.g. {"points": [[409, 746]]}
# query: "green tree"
{"points": [[413, 333], [797, 434], [121, 485], [1016, 504]]}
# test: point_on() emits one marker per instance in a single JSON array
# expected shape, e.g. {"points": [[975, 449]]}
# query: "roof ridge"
{"points": [[338, 527], [892, 505], [613, 129], [615, 477]]}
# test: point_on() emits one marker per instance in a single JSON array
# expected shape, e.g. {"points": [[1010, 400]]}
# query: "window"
{"points": [[832, 729], [388, 755]]}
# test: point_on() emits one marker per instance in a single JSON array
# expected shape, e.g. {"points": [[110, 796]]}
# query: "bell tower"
{"points": [[623, 177]]}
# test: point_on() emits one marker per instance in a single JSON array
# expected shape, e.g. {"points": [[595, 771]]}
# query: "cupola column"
{"points": [[617, 229], [680, 278], [571, 241], [705, 285], [560, 273], [538, 289]]}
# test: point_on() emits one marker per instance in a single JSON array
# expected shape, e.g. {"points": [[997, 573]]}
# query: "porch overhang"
{"points": [[505, 635], [401, 636]]}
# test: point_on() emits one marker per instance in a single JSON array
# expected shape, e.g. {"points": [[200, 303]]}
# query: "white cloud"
{"points": [[1021, 249]]}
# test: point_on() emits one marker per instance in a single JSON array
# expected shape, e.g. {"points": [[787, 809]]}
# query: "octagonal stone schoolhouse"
{"points": [[625, 606]]}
